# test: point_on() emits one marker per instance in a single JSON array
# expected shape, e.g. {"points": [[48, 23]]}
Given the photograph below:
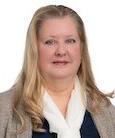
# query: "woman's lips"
{"points": [[60, 62]]}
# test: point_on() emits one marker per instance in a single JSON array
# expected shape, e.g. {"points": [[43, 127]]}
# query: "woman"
{"points": [[55, 95]]}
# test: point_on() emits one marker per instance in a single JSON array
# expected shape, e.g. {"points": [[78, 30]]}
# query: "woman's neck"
{"points": [[59, 87]]}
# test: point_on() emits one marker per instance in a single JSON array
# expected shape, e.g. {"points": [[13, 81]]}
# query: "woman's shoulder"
{"points": [[108, 113], [6, 99], [107, 107], [111, 109]]}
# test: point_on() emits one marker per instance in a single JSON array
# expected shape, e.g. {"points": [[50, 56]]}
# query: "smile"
{"points": [[60, 62]]}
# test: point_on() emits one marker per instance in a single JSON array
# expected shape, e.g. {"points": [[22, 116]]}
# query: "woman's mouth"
{"points": [[60, 62]]}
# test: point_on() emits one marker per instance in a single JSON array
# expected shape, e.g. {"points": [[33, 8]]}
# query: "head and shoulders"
{"points": [[56, 51]]}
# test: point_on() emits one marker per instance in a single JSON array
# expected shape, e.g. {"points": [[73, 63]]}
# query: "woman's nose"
{"points": [[61, 50]]}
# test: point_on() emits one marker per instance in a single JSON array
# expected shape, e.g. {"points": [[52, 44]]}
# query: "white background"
{"points": [[99, 19]]}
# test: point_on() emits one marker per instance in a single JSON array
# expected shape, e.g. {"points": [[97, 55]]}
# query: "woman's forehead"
{"points": [[58, 26]]}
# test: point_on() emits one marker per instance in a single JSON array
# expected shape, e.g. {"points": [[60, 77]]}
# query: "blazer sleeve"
{"points": [[5, 112]]}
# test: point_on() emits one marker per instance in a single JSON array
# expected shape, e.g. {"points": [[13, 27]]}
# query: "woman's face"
{"points": [[59, 48]]}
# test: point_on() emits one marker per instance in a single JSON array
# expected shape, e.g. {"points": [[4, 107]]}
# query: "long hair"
{"points": [[28, 84]]}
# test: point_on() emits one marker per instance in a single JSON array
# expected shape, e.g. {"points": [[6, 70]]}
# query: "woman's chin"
{"points": [[61, 75]]}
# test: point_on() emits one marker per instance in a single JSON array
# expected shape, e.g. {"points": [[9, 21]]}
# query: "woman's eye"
{"points": [[50, 42], [71, 41]]}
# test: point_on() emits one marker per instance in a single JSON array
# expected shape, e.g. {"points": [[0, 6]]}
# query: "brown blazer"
{"points": [[105, 121]]}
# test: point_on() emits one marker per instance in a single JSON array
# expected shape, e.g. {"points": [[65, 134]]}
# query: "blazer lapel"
{"points": [[104, 123]]}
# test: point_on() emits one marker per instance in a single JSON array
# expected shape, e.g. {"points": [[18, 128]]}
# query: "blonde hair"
{"points": [[28, 85]]}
